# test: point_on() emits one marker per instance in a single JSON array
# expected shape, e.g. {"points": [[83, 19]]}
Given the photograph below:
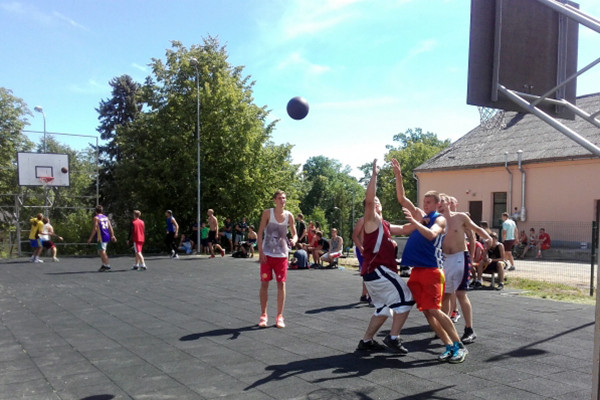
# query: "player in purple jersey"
{"points": [[104, 233]]}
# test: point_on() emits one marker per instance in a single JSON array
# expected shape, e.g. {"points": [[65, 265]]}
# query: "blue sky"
{"points": [[369, 69]]}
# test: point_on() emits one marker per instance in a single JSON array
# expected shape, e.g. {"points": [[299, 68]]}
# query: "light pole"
{"points": [[337, 208], [194, 63], [41, 110]]}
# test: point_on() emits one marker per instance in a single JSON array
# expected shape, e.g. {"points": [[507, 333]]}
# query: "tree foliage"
{"points": [[13, 119], [240, 166], [331, 195]]}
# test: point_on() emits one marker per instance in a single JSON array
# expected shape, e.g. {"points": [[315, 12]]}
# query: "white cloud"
{"points": [[297, 61], [139, 67], [33, 13], [91, 87]]}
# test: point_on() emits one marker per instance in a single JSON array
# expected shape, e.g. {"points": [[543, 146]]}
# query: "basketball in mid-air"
{"points": [[297, 107], [64, 170]]}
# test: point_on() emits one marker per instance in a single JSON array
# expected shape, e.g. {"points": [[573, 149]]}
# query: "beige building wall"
{"points": [[561, 191]]}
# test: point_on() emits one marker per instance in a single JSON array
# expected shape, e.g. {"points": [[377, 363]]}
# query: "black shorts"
{"points": [[212, 236], [47, 244]]}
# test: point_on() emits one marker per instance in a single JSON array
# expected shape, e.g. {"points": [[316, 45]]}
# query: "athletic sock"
{"points": [[393, 337]]}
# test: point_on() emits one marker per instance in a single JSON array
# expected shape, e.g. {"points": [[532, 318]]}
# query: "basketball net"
{"points": [[491, 119], [46, 180]]}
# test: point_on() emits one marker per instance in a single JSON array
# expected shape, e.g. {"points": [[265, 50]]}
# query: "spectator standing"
{"points": [[509, 236], [240, 232], [172, 233], [301, 229]]}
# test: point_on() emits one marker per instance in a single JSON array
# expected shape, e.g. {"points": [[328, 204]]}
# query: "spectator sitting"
{"points": [[300, 258], [322, 247], [531, 241], [312, 242], [521, 245], [476, 259], [186, 244], [252, 239], [493, 262], [543, 242], [336, 247]]}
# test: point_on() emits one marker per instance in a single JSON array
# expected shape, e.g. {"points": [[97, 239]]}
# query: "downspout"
{"points": [[523, 175], [510, 184]]}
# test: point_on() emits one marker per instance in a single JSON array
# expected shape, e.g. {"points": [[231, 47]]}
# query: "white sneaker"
{"points": [[176, 256], [55, 259], [37, 260], [173, 254]]}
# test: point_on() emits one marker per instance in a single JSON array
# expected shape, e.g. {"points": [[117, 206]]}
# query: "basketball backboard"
{"points": [[43, 169], [524, 46]]}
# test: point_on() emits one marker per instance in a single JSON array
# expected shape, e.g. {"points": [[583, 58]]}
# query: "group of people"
{"points": [[40, 238], [312, 243], [436, 251], [538, 243]]}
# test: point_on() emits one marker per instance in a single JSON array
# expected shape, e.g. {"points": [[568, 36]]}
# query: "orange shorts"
{"points": [[279, 265], [427, 287]]}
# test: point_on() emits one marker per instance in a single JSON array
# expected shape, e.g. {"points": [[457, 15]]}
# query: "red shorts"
{"points": [[427, 287], [137, 247], [279, 265], [545, 246]]}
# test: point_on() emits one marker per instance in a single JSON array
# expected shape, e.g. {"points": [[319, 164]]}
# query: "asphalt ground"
{"points": [[186, 329]]}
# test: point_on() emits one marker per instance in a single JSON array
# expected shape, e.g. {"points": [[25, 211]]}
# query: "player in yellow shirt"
{"points": [[37, 227]]}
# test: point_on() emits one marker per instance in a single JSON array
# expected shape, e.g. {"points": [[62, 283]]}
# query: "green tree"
{"points": [[332, 191], [13, 119], [240, 166]]}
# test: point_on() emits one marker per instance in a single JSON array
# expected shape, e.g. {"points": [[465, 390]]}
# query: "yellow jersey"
{"points": [[37, 227]]}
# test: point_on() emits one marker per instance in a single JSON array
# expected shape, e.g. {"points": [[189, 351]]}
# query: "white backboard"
{"points": [[34, 167]]}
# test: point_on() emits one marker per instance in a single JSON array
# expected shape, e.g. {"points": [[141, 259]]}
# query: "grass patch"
{"points": [[552, 291]]}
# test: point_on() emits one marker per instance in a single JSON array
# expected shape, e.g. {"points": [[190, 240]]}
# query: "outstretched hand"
{"points": [[397, 169], [375, 168]]}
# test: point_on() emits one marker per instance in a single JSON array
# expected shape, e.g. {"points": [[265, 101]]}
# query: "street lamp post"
{"points": [[41, 110], [337, 208], [194, 63]]}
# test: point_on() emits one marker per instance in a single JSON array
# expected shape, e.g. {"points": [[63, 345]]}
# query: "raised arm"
{"points": [[400, 192], [371, 218]]}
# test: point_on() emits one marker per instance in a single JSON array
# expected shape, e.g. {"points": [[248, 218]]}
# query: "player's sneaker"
{"points": [[263, 320], [104, 268], [459, 354], [222, 253], [371, 345], [395, 345], [176, 256], [143, 267], [55, 259], [38, 260], [445, 356], [135, 267], [468, 336], [455, 316], [279, 322]]}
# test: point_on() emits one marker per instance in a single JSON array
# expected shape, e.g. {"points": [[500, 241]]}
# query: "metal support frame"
{"points": [[530, 103]]}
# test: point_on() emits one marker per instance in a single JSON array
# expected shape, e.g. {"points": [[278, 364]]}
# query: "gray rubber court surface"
{"points": [[186, 329]]}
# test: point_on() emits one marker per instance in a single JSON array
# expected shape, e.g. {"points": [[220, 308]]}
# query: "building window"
{"points": [[499, 208]]}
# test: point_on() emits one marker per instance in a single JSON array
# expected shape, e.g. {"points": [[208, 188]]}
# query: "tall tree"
{"points": [[13, 119], [240, 167]]}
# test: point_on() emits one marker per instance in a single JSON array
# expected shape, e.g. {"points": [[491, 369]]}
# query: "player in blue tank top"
{"points": [[427, 279]]}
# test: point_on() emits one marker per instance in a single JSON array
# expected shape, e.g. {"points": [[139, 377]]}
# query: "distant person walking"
{"points": [[103, 231], [137, 237], [172, 233], [509, 236]]}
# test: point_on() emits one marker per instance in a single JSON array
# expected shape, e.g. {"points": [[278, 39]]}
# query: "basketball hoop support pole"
{"points": [[571, 134]]}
